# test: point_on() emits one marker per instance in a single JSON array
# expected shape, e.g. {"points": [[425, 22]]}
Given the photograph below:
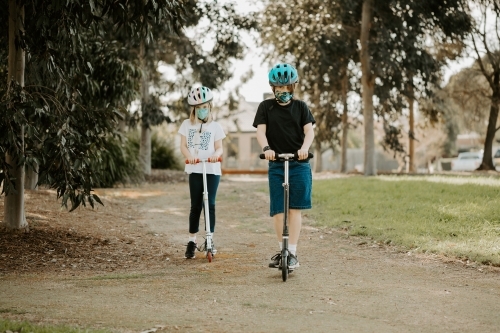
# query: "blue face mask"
{"points": [[283, 97], [202, 113]]}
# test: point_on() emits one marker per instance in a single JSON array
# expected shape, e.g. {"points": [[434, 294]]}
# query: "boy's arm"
{"points": [[308, 139], [262, 139]]}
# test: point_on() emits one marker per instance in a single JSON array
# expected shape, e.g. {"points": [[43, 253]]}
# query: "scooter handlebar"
{"points": [[277, 156], [205, 160]]}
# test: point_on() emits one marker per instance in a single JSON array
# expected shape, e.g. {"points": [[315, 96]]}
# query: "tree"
{"points": [[486, 46], [313, 35], [66, 112], [187, 54], [368, 81]]}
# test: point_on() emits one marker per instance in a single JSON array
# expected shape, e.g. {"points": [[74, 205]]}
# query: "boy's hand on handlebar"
{"points": [[270, 155], [302, 154]]}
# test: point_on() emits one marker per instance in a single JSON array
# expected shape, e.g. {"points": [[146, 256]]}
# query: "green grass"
{"points": [[436, 215], [17, 326]]}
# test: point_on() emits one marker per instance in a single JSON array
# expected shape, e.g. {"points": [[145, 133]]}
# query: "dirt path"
{"points": [[340, 287]]}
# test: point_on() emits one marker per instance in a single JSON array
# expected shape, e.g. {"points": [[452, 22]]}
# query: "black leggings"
{"points": [[196, 190]]}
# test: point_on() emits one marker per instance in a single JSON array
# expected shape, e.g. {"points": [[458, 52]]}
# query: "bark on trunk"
{"points": [[411, 134], [145, 150], [345, 126], [318, 161], [31, 178], [487, 163], [145, 145], [14, 217], [367, 84]]}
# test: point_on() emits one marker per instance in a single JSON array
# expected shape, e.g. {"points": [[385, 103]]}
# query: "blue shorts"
{"points": [[300, 180]]}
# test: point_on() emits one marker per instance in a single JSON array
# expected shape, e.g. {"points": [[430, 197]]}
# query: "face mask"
{"points": [[202, 113], [283, 97]]}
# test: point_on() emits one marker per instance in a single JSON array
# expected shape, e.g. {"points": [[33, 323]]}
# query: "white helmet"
{"points": [[199, 96]]}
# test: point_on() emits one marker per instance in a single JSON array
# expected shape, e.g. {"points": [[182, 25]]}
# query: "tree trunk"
{"points": [[14, 217], [345, 125], [31, 178], [318, 160], [487, 163], [145, 145], [368, 81], [145, 149], [411, 133]]}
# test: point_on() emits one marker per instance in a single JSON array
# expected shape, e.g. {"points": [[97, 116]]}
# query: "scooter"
{"points": [[286, 187], [208, 232]]}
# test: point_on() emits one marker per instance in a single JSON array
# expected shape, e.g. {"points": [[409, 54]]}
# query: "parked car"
{"points": [[496, 158], [468, 161]]}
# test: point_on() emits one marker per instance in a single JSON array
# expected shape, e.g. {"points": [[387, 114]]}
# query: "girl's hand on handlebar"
{"points": [[269, 154], [192, 160], [213, 158], [302, 154]]}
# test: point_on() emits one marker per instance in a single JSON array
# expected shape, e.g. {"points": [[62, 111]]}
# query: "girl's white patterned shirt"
{"points": [[202, 145]]}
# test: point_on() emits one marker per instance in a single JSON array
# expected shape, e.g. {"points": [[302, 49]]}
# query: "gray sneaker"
{"points": [[275, 260], [293, 262]]}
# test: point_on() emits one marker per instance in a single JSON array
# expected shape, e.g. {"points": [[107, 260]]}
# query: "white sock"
{"points": [[192, 239], [292, 248], [281, 245]]}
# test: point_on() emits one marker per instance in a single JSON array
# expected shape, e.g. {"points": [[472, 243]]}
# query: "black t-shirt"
{"points": [[284, 124]]}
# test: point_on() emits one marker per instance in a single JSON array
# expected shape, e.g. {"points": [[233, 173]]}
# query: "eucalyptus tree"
{"points": [[76, 84], [201, 52], [398, 50], [486, 45], [316, 35], [462, 106]]}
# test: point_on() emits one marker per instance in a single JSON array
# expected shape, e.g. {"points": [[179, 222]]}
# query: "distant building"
{"points": [[242, 150]]}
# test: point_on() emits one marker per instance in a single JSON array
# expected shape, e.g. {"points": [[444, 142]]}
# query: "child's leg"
{"points": [[295, 227], [278, 226], [212, 186], [196, 192]]}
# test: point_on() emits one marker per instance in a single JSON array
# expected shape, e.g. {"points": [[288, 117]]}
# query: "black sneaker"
{"points": [[293, 262], [190, 249], [275, 260]]}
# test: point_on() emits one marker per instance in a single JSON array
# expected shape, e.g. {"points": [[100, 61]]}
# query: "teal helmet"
{"points": [[283, 75]]}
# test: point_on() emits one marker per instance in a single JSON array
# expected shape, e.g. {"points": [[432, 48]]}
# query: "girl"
{"points": [[201, 137], [285, 125]]}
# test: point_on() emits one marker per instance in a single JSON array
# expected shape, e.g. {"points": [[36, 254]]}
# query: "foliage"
{"points": [[163, 154], [444, 215], [78, 83], [207, 23], [322, 39], [119, 163]]}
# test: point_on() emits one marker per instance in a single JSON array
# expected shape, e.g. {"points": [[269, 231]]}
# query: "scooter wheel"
{"points": [[209, 256]]}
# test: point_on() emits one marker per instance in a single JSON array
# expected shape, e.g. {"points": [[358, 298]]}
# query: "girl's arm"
{"points": [[303, 152], [218, 150], [185, 151]]}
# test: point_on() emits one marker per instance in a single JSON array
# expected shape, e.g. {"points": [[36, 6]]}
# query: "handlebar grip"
{"points": [[295, 156], [198, 160]]}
